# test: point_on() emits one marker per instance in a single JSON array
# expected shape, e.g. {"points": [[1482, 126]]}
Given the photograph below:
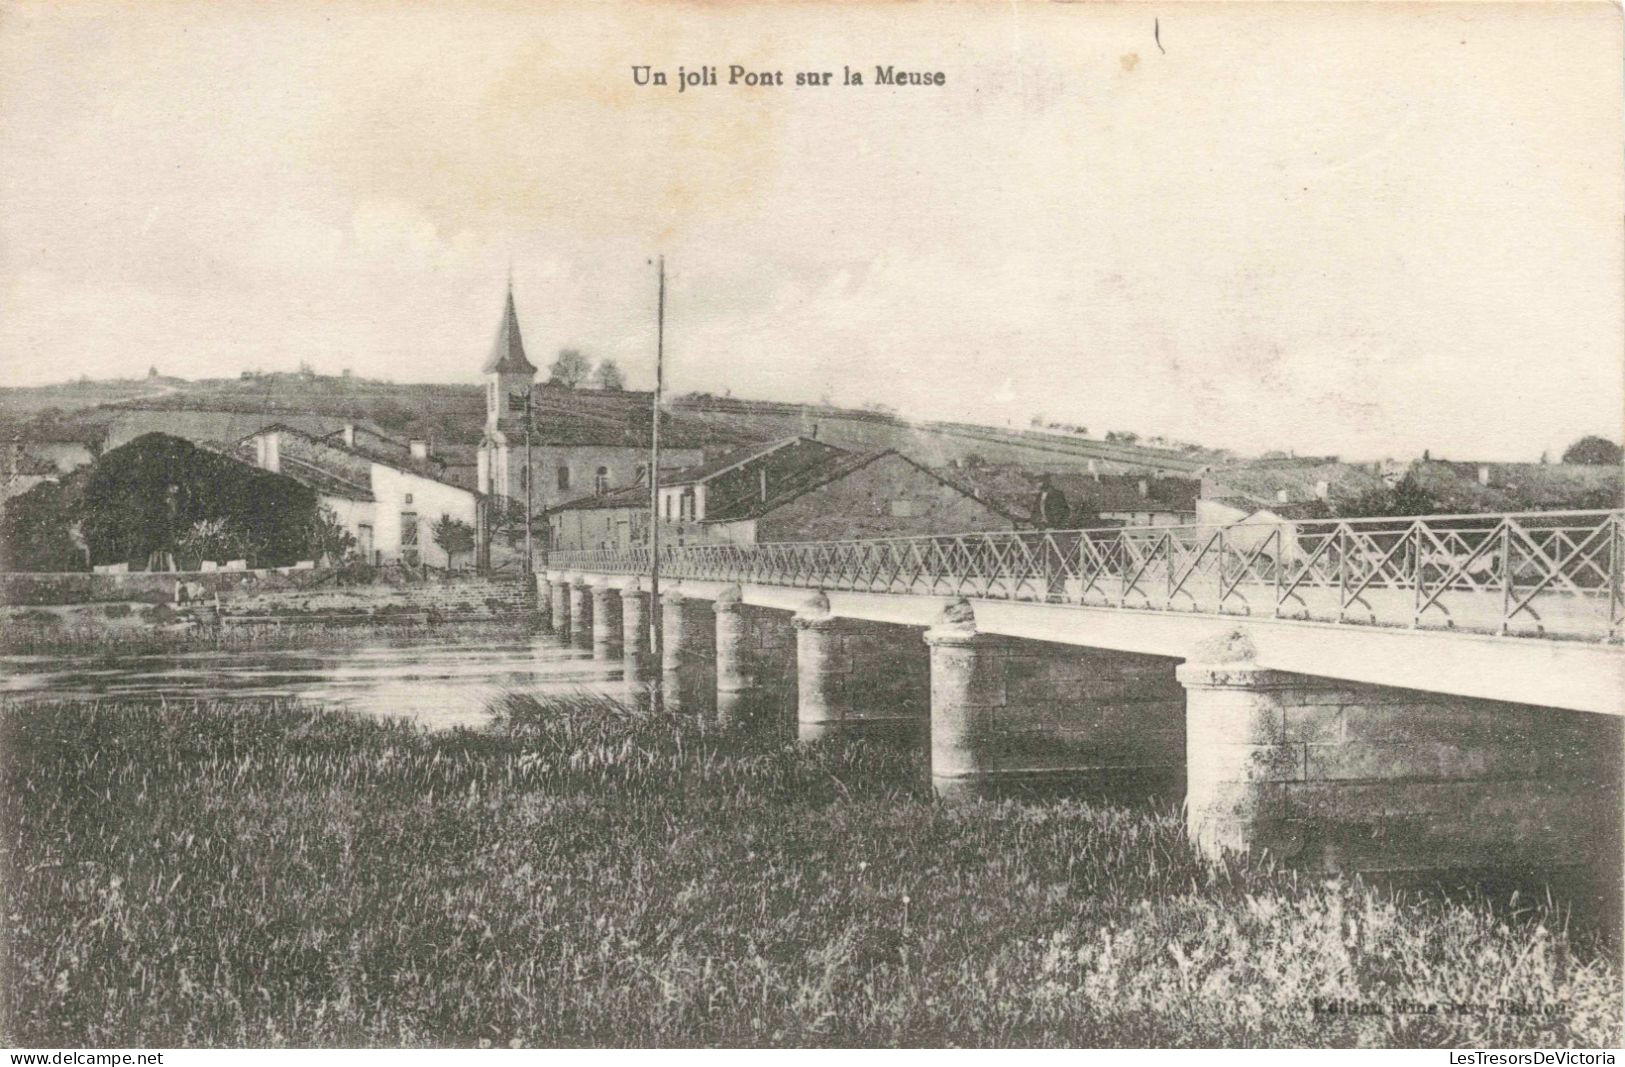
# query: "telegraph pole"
{"points": [[530, 476], [657, 637]]}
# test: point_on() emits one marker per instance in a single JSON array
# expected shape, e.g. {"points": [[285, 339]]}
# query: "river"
{"points": [[438, 683]]}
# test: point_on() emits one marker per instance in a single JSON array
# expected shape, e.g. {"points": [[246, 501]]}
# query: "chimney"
{"points": [[272, 458], [1094, 470], [1483, 474], [1145, 490], [762, 473], [1323, 489], [349, 435], [420, 448], [1280, 496]]}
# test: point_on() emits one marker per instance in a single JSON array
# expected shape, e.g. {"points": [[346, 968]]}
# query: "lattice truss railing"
{"points": [[1551, 573]]}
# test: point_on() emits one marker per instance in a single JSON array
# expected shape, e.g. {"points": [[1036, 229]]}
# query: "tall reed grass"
{"points": [[587, 874]]}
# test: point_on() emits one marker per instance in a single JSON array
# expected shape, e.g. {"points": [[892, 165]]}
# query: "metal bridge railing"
{"points": [[1553, 574]]}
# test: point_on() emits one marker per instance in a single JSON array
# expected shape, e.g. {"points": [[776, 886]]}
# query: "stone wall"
{"points": [[150, 587], [474, 598]]}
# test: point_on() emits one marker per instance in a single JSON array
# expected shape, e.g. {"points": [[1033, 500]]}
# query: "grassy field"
{"points": [[585, 874]]}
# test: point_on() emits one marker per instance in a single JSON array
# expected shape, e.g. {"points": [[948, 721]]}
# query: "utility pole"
{"points": [[657, 637], [530, 477]]}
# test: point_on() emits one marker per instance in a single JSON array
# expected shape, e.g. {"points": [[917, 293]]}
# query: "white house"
{"points": [[389, 503]]}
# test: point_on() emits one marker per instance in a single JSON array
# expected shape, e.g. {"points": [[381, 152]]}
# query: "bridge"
{"points": [[1352, 693]]}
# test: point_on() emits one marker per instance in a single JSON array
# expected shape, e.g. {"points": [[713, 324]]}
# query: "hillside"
{"points": [[932, 443], [225, 409]]}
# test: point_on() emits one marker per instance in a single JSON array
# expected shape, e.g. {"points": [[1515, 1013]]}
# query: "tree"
{"points": [[145, 496], [454, 536], [212, 539], [1593, 450], [505, 517], [607, 375], [327, 537], [36, 530], [569, 370]]}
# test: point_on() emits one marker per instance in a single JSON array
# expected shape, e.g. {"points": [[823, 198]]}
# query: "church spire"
{"points": [[508, 353]]}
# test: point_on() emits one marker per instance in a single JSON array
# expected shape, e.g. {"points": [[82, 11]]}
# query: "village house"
{"points": [[796, 489], [388, 503], [1279, 490]]}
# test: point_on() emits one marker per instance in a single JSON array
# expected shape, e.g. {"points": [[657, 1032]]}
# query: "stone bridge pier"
{"points": [[559, 604], [581, 605], [689, 653], [755, 657], [1036, 716], [859, 678], [606, 618], [635, 630], [1341, 776], [544, 602]]}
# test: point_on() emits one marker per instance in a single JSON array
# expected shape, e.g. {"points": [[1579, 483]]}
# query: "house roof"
{"points": [[322, 479], [312, 467], [813, 476], [387, 440], [797, 483], [738, 457], [508, 350], [630, 496], [1121, 492]]}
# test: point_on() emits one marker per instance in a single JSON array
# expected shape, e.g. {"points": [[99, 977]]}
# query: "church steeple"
{"points": [[508, 353], [508, 374]]}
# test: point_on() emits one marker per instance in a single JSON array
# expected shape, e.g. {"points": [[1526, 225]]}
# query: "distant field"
{"points": [[588, 875], [17, 404]]}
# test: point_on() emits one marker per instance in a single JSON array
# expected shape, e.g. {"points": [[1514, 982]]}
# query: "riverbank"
{"points": [[582, 873], [35, 637]]}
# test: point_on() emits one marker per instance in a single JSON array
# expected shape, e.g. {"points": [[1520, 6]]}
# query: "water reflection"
{"points": [[438, 683]]}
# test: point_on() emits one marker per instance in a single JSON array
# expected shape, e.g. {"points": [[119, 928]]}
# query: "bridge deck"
{"points": [[1529, 607]]}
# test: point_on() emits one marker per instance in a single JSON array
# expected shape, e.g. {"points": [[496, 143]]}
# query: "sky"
{"points": [[1359, 229]]}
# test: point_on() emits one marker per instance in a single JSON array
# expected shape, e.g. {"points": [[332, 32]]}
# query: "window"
{"points": [[642, 472], [600, 481], [564, 477], [408, 498]]}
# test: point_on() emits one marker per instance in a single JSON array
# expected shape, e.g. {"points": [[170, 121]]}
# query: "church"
{"points": [[581, 443]]}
